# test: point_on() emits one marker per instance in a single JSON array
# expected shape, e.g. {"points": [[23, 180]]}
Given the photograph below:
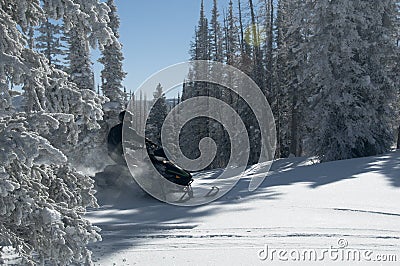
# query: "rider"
{"points": [[114, 140], [115, 150]]}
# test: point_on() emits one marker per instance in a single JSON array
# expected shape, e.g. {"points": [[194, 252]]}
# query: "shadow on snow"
{"points": [[129, 217]]}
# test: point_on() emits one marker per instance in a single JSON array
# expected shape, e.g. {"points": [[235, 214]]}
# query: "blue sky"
{"points": [[155, 34]]}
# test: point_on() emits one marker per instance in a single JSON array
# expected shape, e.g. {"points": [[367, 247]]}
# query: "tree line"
{"points": [[329, 69]]}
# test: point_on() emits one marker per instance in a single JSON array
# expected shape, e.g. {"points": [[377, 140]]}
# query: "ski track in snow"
{"points": [[298, 206], [371, 212]]}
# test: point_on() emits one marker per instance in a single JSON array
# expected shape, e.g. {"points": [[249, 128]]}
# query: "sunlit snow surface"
{"points": [[299, 206]]}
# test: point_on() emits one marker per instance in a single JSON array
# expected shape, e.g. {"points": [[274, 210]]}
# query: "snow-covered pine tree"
{"points": [[5, 97], [351, 62], [290, 97], [81, 38], [80, 64], [49, 42], [112, 73], [279, 105], [397, 67], [42, 205], [43, 199]]}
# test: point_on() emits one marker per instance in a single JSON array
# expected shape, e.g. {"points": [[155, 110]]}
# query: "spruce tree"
{"points": [[42, 197], [198, 128], [254, 39], [50, 42], [112, 75], [215, 35], [80, 64], [290, 96], [232, 39], [351, 63]]}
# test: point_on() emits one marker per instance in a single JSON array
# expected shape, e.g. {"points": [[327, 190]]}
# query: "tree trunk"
{"points": [[398, 139], [278, 130], [270, 65], [294, 126], [241, 29], [293, 140]]}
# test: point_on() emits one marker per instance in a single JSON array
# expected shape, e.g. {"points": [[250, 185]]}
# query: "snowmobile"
{"points": [[170, 171], [174, 173]]}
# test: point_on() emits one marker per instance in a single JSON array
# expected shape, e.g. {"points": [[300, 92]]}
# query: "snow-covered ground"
{"points": [[299, 207]]}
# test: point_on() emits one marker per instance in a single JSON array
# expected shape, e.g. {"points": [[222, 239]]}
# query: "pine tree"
{"points": [[280, 103], [198, 128], [290, 97], [50, 42], [251, 63], [241, 27], [5, 97], [232, 39], [113, 74], [246, 61], [254, 40], [42, 198], [216, 50], [81, 38], [215, 129], [80, 64], [268, 34], [351, 62]]}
